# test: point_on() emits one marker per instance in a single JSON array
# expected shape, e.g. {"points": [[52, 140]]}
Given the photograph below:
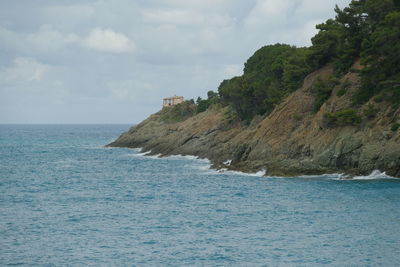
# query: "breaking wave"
{"points": [[375, 175], [206, 167]]}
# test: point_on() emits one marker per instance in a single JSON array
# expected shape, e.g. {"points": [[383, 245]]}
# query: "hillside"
{"points": [[291, 140], [330, 107]]}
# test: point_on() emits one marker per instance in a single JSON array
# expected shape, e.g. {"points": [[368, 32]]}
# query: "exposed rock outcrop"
{"points": [[292, 140]]}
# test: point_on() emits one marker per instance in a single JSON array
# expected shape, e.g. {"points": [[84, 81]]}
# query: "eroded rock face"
{"points": [[292, 140]]}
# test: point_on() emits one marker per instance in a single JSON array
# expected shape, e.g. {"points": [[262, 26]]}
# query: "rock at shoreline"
{"points": [[291, 140]]}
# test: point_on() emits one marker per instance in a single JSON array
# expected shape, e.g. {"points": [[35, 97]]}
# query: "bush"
{"points": [[203, 104], [395, 127], [343, 88], [179, 112], [297, 117], [370, 111], [322, 91], [380, 97], [342, 118], [341, 92]]}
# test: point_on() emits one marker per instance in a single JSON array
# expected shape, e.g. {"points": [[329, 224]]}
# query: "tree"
{"points": [[269, 75], [325, 43], [367, 29], [381, 58]]}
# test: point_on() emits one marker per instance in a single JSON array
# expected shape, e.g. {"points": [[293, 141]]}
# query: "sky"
{"points": [[112, 61]]}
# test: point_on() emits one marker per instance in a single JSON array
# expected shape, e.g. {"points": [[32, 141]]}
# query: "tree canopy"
{"points": [[269, 75], [368, 30]]}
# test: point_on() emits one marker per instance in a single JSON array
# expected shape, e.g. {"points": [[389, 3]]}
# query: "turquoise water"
{"points": [[66, 200]]}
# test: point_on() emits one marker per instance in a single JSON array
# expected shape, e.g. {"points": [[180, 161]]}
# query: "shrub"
{"points": [[370, 111], [342, 118], [395, 127], [297, 117], [343, 88], [179, 112], [341, 92], [380, 97], [322, 91], [204, 104]]}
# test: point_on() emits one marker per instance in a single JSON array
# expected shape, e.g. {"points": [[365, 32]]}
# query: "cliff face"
{"points": [[292, 140]]}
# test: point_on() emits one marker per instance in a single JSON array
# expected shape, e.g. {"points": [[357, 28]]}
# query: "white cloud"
{"points": [[70, 11], [178, 16], [308, 30], [172, 16], [187, 47], [130, 90], [106, 40], [8, 38], [24, 70], [269, 12], [47, 38]]}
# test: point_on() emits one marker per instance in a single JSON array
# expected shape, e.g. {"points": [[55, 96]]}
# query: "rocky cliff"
{"points": [[293, 139]]}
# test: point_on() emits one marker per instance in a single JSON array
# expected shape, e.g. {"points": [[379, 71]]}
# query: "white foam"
{"points": [[179, 156], [327, 176], [172, 157], [187, 157], [231, 172], [138, 154], [260, 173], [228, 162], [152, 156], [135, 154], [145, 154], [375, 175]]}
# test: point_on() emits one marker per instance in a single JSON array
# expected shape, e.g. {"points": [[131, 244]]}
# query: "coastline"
{"points": [[292, 140], [374, 175]]}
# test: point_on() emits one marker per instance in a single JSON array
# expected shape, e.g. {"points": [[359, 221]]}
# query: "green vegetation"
{"points": [[343, 88], [370, 111], [395, 127], [390, 95], [179, 112], [366, 30], [270, 74], [322, 91], [381, 57], [342, 118], [204, 104], [297, 117]]}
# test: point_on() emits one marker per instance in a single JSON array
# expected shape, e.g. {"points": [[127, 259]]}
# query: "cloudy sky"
{"points": [[112, 61]]}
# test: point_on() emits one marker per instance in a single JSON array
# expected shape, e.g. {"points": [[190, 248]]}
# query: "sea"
{"points": [[66, 200]]}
